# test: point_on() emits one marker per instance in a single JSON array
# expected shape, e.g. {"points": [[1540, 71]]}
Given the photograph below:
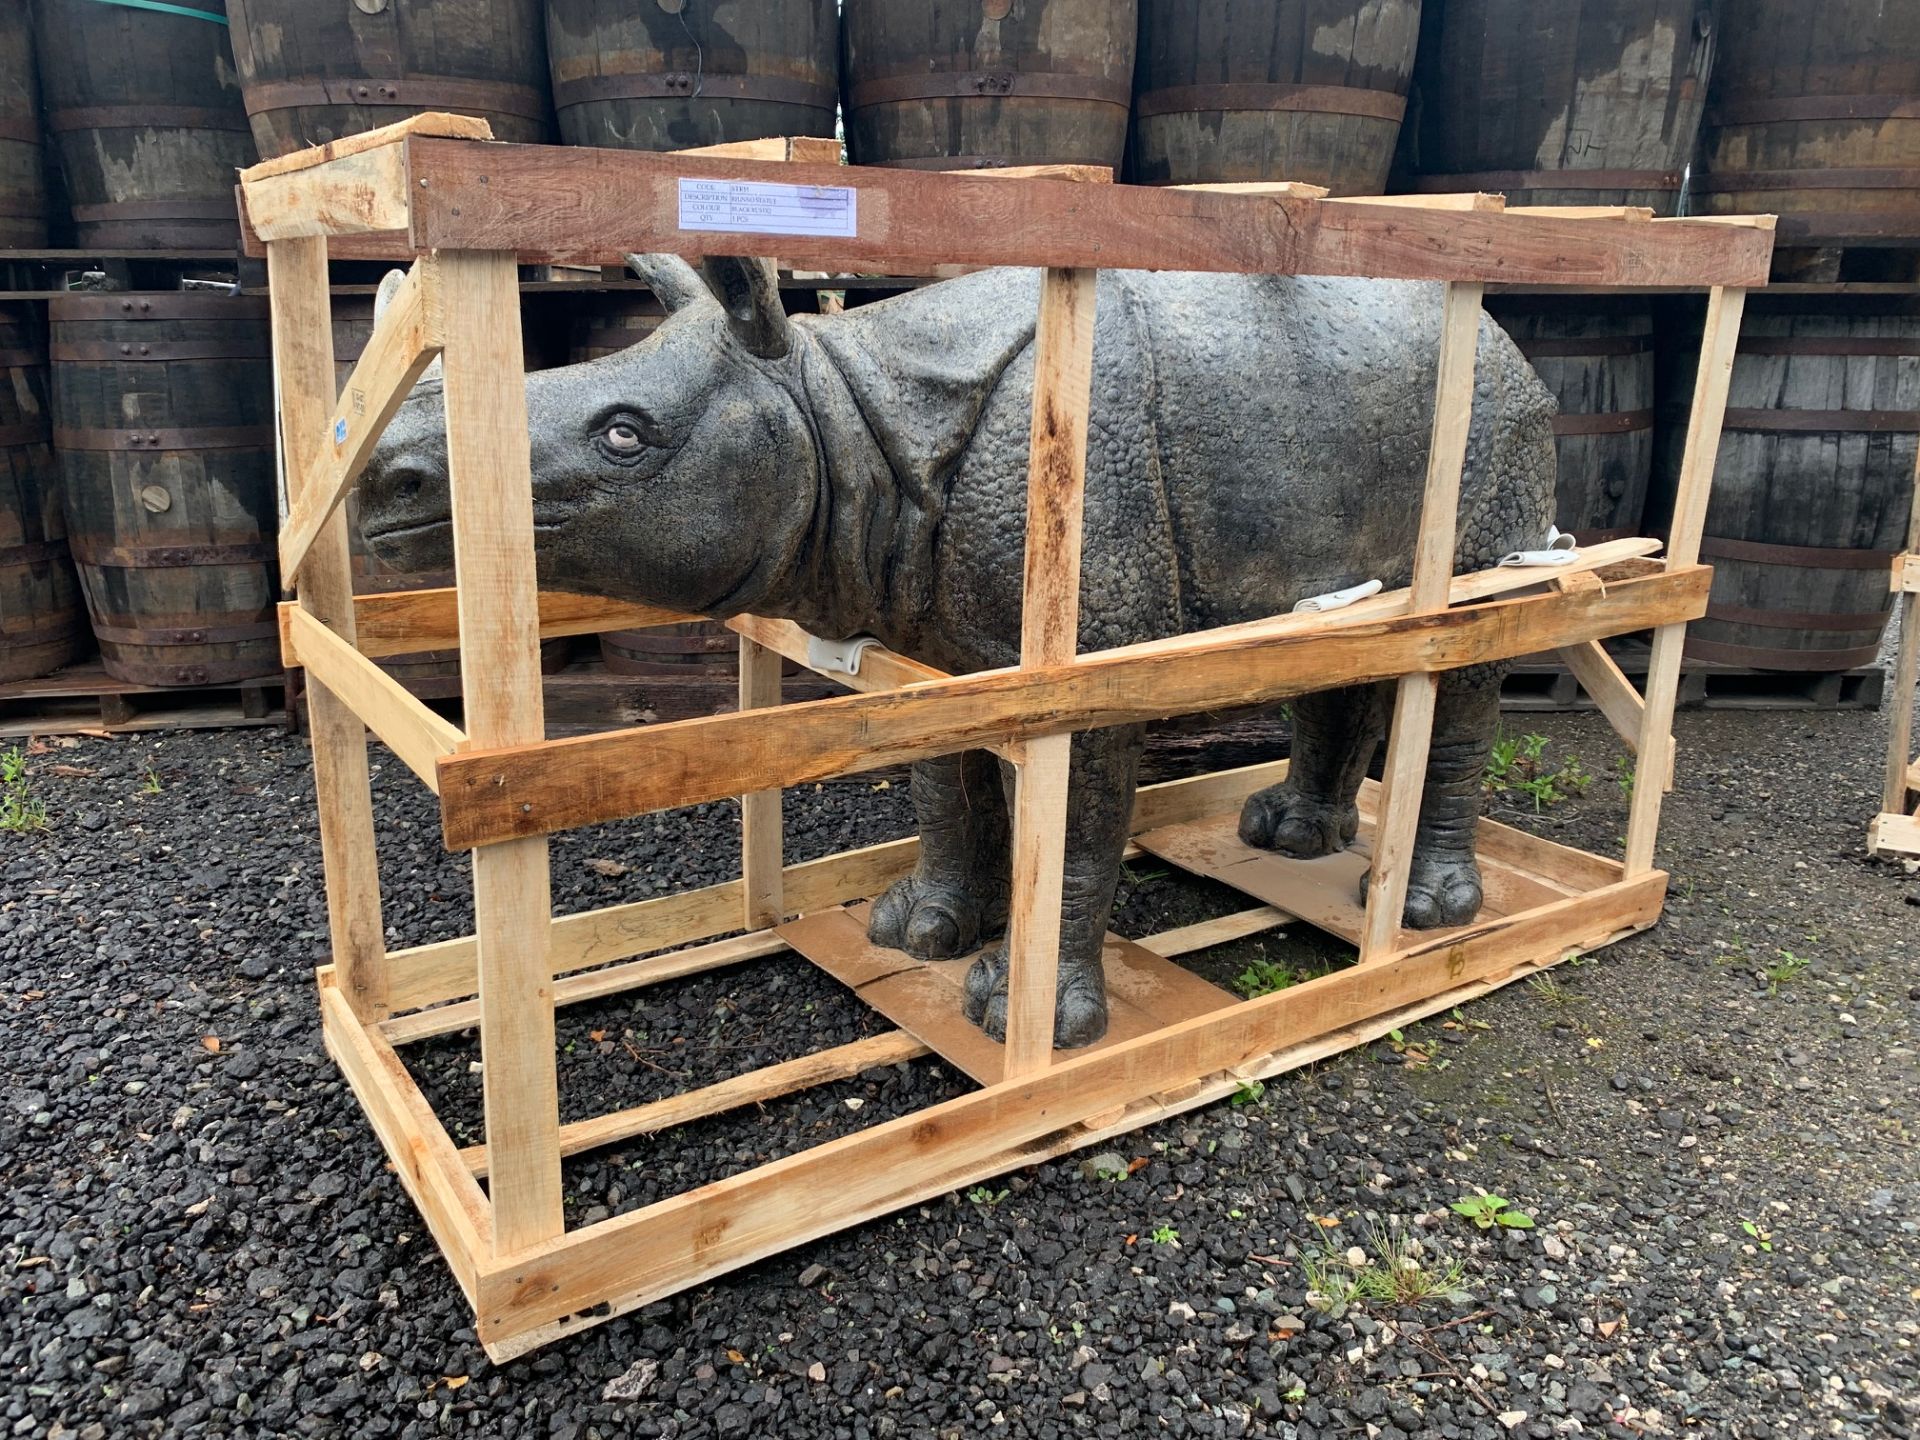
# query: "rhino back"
{"points": [[1253, 440]]}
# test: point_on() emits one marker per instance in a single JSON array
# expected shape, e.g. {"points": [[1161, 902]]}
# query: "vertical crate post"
{"points": [[1404, 779], [762, 841], [303, 359], [1725, 307], [1906, 674], [1049, 635], [489, 457]]}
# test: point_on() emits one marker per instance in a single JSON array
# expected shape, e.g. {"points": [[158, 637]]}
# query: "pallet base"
{"points": [[84, 699], [1177, 1043], [1545, 686]]}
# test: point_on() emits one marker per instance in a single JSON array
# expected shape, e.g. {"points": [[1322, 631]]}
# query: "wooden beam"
{"points": [[487, 796], [842, 1062], [360, 193], [1609, 688], [1404, 779], [584, 206], [1477, 201], [423, 1154], [414, 733], [1237, 926], [880, 668], [1906, 574], [404, 622], [403, 344], [1076, 174], [1296, 189], [1704, 424], [719, 1227], [447, 127], [488, 455], [1049, 636], [343, 793], [807, 149], [1900, 776], [1894, 834], [762, 840]]}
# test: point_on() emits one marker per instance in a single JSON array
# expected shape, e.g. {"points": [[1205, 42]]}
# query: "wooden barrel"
{"points": [[605, 324], [667, 75], [1258, 93], [41, 622], [23, 170], [1815, 117], [314, 70], [1584, 102], [671, 649], [147, 114], [1597, 356], [1814, 482], [163, 420], [963, 84]]}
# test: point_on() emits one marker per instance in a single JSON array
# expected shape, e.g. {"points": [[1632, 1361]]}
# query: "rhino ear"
{"points": [[675, 283], [749, 291]]}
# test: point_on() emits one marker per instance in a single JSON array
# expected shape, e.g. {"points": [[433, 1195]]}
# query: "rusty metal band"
{"points": [[1758, 657], [22, 359], [196, 635], [685, 85], [225, 210], [1800, 619], [146, 117], [33, 552], [167, 305], [22, 128], [1503, 180], [416, 92], [1805, 557], [1621, 422], [1877, 177], [1305, 99], [1818, 422], [169, 557], [204, 437], [1593, 347], [1767, 110], [1829, 345], [136, 352], [33, 434], [988, 85]]}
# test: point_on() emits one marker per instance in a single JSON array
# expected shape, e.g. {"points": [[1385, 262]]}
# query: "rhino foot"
{"points": [[1281, 818], [930, 921], [1440, 893], [1080, 1013]]}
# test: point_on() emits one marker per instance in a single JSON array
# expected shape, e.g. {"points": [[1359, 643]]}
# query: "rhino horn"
{"points": [[674, 282], [383, 300], [749, 291]]}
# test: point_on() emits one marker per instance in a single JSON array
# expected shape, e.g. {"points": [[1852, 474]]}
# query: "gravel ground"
{"points": [[1711, 1126]]}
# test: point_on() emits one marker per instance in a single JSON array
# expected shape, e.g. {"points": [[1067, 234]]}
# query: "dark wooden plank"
{"points": [[592, 206]]}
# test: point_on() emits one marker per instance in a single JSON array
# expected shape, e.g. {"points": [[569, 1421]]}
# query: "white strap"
{"points": [[1338, 600], [838, 657]]}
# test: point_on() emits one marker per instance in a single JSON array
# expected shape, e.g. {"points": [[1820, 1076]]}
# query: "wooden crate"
{"points": [[469, 210], [1896, 829]]}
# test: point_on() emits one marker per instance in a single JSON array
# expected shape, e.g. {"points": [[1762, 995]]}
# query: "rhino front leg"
{"points": [[1443, 884], [957, 894], [1312, 812], [1105, 767]]}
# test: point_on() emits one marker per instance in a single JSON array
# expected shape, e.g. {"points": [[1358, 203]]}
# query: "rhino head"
{"points": [[680, 472]]}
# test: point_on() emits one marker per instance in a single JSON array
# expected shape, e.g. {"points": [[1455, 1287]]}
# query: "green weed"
{"points": [[21, 811], [1490, 1211], [1392, 1268], [1519, 763]]}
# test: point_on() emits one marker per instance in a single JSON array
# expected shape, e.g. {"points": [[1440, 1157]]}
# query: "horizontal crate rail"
{"points": [[447, 970], [386, 707], [404, 622], [589, 206], [488, 796]]}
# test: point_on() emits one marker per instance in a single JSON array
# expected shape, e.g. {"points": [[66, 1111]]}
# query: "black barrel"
{"points": [[42, 626], [23, 172], [1596, 354], [146, 110], [163, 408], [314, 70], [672, 74], [1814, 481]]}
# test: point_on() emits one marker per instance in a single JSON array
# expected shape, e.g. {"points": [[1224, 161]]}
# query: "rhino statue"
{"points": [[1254, 440]]}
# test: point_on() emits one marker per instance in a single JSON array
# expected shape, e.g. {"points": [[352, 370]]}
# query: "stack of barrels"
{"points": [[41, 625], [23, 173]]}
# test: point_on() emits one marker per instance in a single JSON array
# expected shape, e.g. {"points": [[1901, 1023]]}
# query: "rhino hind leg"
{"points": [[1106, 765], [1313, 812], [957, 894], [1443, 885]]}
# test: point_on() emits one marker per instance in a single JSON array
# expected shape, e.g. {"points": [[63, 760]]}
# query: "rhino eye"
{"points": [[622, 436]]}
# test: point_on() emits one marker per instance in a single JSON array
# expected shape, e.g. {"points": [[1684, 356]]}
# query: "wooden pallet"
{"points": [[85, 700], [469, 211], [1537, 686]]}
